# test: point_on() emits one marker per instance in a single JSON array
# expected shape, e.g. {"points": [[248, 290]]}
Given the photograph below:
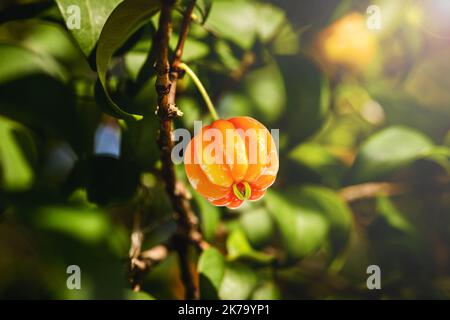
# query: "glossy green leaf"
{"points": [[92, 17], [234, 20], [274, 29], [235, 104], [139, 138], [302, 231], [204, 9], [210, 217], [191, 112], [239, 248], [87, 225], [33, 92], [328, 204], [441, 156], [16, 171], [310, 218], [388, 150], [268, 290], [308, 96], [265, 87], [45, 38], [193, 49], [447, 139], [211, 269], [270, 20], [140, 295], [238, 282], [258, 226], [123, 21], [23, 62], [387, 209], [320, 160]]}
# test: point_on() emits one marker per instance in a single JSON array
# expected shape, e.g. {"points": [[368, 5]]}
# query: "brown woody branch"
{"points": [[166, 84]]}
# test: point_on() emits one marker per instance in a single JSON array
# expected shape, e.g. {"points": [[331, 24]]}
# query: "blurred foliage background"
{"points": [[364, 119]]}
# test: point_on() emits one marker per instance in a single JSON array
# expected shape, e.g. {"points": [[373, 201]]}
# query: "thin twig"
{"points": [[187, 18], [141, 263], [372, 190]]}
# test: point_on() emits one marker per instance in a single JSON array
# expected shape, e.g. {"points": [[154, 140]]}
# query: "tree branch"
{"points": [[166, 83], [140, 262], [187, 18], [372, 190]]}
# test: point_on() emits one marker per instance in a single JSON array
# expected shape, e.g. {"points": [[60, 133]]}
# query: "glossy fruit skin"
{"points": [[238, 167]]}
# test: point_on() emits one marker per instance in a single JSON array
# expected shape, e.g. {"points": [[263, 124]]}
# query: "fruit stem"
{"points": [[200, 88]]}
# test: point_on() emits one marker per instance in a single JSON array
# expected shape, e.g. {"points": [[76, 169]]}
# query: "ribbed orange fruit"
{"points": [[231, 161]]}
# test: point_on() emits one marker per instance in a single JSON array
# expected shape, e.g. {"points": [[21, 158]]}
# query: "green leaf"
{"points": [[190, 111], [204, 8], [33, 92], [224, 280], [23, 62], [234, 20], [447, 139], [392, 215], [310, 218], [44, 39], [274, 28], [308, 96], [121, 24], [211, 269], [320, 160], [270, 19], [268, 290], [16, 172], [235, 104], [257, 226], [88, 225], [387, 151], [225, 55], [328, 204], [140, 295], [139, 138], [93, 15], [193, 49], [239, 248], [210, 217], [302, 231], [238, 282], [265, 87]]}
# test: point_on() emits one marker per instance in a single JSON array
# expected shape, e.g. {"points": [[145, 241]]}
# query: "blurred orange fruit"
{"points": [[347, 43]]}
